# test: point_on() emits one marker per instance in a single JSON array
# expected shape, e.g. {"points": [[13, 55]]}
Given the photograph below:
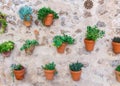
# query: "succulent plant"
{"points": [[29, 43], [116, 39], [3, 25], [25, 13], [58, 40], [6, 46], [43, 12], [118, 68], [75, 66], [93, 33], [49, 66]]}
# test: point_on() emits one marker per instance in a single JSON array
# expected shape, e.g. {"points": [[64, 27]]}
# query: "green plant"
{"points": [[29, 43], [58, 40], [6, 46], [49, 66], [93, 33], [116, 39], [118, 68], [75, 66], [2, 16], [15, 67], [3, 25], [43, 12], [25, 13]]}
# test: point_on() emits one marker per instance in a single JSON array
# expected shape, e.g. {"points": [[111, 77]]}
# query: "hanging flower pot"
{"points": [[61, 42], [117, 73], [75, 70], [29, 46], [116, 45], [49, 70], [93, 33], [25, 14], [6, 48], [46, 15]]}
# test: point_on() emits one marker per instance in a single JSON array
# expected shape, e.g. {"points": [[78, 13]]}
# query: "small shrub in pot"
{"points": [[117, 73]]}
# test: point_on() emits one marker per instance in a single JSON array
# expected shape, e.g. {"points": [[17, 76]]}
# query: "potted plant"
{"points": [[116, 45], [25, 14], [49, 70], [61, 42], [18, 71], [117, 73], [6, 48], [46, 15], [75, 70], [93, 33], [3, 23], [29, 46]]}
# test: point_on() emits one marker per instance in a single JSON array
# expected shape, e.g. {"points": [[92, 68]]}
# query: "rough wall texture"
{"points": [[99, 64]]}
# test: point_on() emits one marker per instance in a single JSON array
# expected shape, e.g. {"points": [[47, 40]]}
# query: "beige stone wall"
{"points": [[73, 19]]}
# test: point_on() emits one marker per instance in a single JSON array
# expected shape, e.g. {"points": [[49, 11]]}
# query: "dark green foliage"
{"points": [[75, 66], [93, 33], [28, 44], [118, 68], [43, 12], [6, 46], [116, 39], [49, 66], [58, 40]]}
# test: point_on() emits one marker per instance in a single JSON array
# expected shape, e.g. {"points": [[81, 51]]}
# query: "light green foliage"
{"points": [[93, 33], [43, 12], [6, 46], [29, 43], [58, 40], [75, 66]]}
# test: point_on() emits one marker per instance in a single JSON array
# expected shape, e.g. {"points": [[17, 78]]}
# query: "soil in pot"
{"points": [[116, 47], [61, 49], [89, 44], [30, 50], [48, 20], [6, 54], [49, 74], [117, 76], [76, 75], [19, 74]]}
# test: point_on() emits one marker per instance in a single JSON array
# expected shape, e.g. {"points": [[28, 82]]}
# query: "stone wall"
{"points": [[73, 19]]}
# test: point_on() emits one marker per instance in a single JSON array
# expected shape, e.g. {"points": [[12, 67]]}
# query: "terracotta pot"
{"points": [[61, 49], [48, 20], [6, 54], [49, 74], [89, 44], [116, 47], [29, 50], [28, 23], [117, 75], [76, 75], [19, 74]]}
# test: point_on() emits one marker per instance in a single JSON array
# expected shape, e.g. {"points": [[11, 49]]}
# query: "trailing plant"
{"points": [[93, 33], [116, 39], [29, 43], [118, 68], [43, 12], [58, 40], [15, 67], [49, 66], [75, 66], [6, 46], [25, 13]]}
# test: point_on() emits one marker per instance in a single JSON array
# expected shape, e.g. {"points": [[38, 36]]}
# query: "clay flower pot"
{"points": [[89, 44], [76, 75], [19, 74], [49, 74], [61, 49], [48, 20], [6, 54], [27, 23], [117, 75], [30, 50], [116, 47]]}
